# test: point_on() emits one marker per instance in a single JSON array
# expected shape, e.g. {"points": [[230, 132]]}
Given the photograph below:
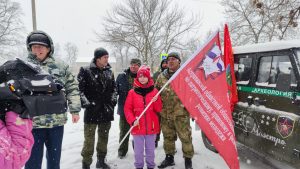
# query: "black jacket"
{"points": [[124, 84], [98, 93]]}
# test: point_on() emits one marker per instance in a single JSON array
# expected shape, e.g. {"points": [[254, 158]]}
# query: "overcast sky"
{"points": [[75, 20]]}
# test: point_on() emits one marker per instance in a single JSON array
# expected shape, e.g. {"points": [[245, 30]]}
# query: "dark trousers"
{"points": [[52, 139], [89, 141], [124, 128], [158, 135]]}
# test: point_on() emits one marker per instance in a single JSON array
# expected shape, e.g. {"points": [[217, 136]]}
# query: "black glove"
{"points": [[59, 86], [25, 115], [85, 103], [114, 101], [20, 108]]}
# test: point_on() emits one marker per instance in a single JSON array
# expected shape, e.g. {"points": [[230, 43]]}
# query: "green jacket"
{"points": [[61, 71], [172, 105]]}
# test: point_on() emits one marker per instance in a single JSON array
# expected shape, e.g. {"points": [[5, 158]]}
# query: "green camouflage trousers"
{"points": [[89, 141], [124, 128], [178, 126]]}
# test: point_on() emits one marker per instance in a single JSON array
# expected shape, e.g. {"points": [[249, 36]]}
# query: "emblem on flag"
{"points": [[212, 63]]}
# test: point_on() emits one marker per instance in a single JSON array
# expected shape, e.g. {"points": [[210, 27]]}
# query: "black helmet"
{"points": [[38, 39], [41, 38]]}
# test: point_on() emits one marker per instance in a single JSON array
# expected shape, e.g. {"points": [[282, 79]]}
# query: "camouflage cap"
{"points": [[175, 55], [136, 61]]}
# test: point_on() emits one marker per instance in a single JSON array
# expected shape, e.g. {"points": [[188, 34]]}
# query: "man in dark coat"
{"points": [[98, 96], [124, 84]]}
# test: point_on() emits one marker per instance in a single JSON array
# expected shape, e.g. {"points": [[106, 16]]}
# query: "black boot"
{"points": [[132, 143], [101, 164], [156, 143], [85, 166], [188, 163], [121, 156], [168, 161]]}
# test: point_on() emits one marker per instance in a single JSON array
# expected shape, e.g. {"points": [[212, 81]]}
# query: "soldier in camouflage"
{"points": [[175, 120], [48, 129]]}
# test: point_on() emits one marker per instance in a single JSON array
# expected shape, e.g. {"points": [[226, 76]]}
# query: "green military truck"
{"points": [[267, 116]]}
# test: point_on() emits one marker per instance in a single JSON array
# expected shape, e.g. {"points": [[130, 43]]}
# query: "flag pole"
{"points": [[149, 104]]}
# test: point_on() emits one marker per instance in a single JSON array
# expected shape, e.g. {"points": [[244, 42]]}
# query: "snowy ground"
{"points": [[203, 158]]}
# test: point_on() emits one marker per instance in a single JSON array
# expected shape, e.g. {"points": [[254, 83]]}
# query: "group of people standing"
{"points": [[97, 91], [166, 112]]}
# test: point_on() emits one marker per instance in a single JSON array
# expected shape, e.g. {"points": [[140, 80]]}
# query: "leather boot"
{"points": [[168, 161], [85, 166], [156, 143], [101, 164], [188, 163]]}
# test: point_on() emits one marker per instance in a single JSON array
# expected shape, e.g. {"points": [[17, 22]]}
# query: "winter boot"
{"points": [[168, 161], [121, 156], [101, 164], [188, 163], [156, 143], [132, 143], [85, 166]]}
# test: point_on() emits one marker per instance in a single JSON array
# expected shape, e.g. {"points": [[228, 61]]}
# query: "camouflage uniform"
{"points": [[48, 129], [62, 73], [89, 141], [175, 119]]}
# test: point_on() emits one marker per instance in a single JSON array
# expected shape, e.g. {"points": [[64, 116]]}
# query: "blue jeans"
{"points": [[52, 139]]}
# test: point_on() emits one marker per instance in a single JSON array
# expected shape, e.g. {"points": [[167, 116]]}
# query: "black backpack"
{"points": [[30, 93]]}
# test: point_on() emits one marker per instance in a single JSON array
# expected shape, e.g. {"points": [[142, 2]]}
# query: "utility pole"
{"points": [[33, 14]]}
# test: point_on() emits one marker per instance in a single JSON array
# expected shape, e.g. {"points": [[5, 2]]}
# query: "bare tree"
{"points": [[122, 53], [253, 21], [57, 50], [11, 28], [147, 27], [71, 53]]}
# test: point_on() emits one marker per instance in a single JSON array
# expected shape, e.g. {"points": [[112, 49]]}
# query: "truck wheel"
{"points": [[207, 143]]}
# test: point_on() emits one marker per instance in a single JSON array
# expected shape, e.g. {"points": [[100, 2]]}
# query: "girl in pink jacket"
{"points": [[145, 130], [16, 141]]}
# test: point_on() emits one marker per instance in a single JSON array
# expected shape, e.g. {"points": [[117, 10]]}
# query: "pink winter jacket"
{"points": [[16, 141]]}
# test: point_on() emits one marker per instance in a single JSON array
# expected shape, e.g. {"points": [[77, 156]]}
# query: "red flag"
{"points": [[201, 86], [229, 64]]}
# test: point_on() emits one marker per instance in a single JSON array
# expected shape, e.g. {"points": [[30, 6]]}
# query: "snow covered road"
{"points": [[203, 158]]}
